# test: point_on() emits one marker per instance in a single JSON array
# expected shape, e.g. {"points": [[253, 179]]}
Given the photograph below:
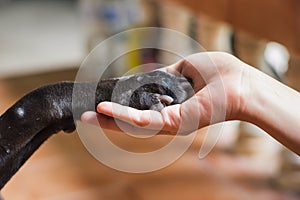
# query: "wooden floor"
{"points": [[62, 169]]}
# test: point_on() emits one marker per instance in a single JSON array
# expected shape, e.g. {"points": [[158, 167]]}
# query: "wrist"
{"points": [[253, 95], [273, 107], [260, 98]]}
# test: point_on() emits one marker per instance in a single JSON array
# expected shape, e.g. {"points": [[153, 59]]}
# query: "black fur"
{"points": [[49, 109]]}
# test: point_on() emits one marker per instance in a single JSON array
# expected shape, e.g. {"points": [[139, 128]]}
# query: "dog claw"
{"points": [[165, 99]]}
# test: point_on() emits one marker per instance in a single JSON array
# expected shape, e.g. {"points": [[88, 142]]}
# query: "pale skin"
{"points": [[225, 89]]}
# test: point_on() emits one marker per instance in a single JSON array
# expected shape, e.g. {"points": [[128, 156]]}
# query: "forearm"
{"points": [[275, 108]]}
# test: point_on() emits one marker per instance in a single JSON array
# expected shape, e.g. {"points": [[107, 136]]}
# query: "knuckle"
{"points": [[141, 119]]}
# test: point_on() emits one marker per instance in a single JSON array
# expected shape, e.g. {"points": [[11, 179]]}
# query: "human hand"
{"points": [[218, 82]]}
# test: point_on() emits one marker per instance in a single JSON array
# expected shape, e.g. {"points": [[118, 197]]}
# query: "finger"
{"points": [[188, 68], [103, 121], [147, 119], [109, 123], [180, 118], [180, 67], [187, 117], [89, 117]]}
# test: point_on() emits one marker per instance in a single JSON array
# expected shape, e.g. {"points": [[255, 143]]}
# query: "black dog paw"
{"points": [[154, 90]]}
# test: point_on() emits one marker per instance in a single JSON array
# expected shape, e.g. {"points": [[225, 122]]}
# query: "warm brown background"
{"points": [[275, 20]]}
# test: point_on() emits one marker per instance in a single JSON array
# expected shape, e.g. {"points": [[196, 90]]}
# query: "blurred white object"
{"points": [[38, 36], [277, 56]]}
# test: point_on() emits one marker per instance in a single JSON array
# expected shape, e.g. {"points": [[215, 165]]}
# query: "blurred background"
{"points": [[45, 41]]}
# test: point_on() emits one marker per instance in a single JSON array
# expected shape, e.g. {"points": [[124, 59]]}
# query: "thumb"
{"points": [[183, 118]]}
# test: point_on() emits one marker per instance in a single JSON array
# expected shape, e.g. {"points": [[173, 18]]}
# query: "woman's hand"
{"points": [[219, 82], [225, 89]]}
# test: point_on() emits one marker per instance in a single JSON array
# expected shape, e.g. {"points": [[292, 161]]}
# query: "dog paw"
{"points": [[152, 91]]}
